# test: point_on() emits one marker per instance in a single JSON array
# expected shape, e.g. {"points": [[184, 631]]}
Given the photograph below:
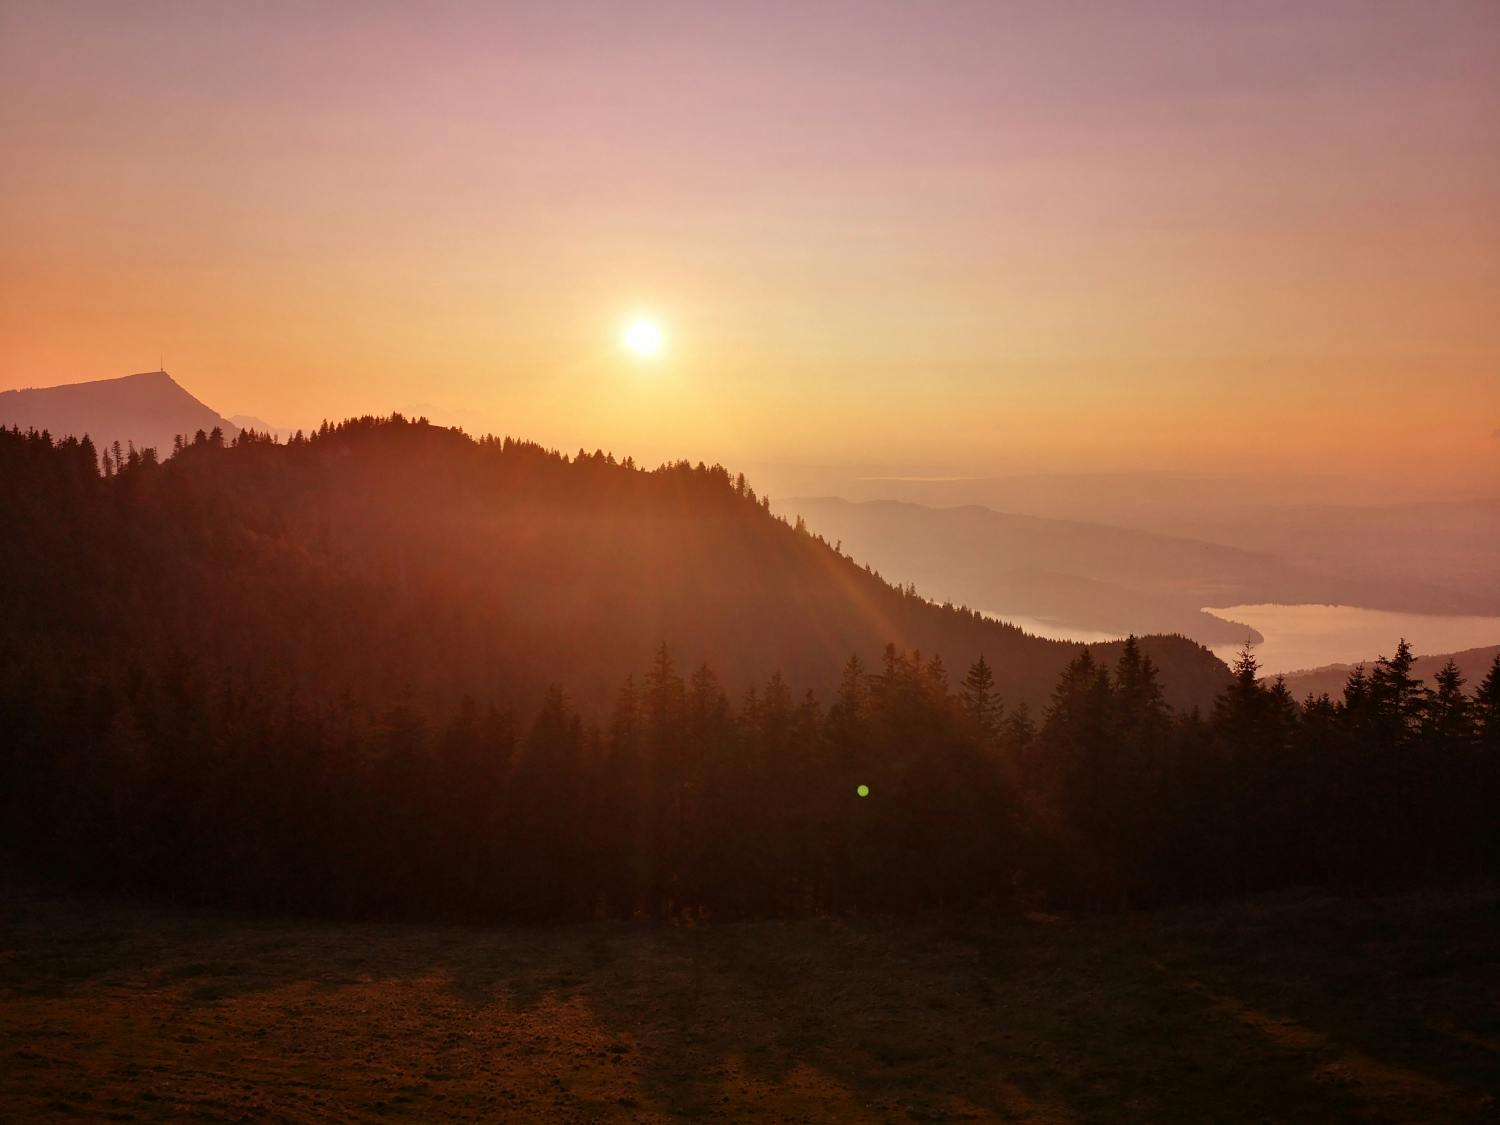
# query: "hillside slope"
{"points": [[384, 556], [148, 409]]}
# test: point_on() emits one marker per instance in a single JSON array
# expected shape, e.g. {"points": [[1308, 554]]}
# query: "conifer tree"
{"points": [[1487, 707], [1447, 720], [1396, 695], [980, 702]]}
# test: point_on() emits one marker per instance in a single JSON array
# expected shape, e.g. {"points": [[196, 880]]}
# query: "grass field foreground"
{"points": [[1297, 1008]]}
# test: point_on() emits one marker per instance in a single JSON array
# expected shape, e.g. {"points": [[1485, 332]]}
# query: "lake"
{"points": [[1309, 636]]}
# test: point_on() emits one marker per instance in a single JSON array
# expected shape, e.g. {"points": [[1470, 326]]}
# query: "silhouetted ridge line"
{"points": [[383, 554]]}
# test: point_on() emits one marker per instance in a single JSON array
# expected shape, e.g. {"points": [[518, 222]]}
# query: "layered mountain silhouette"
{"points": [[147, 410], [1065, 572], [1407, 549], [1472, 663], [1092, 576], [387, 558]]}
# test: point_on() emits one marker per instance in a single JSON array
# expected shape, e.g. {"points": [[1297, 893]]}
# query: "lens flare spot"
{"points": [[862, 790]]}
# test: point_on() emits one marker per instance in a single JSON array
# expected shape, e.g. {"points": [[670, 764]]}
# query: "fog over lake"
{"points": [[1298, 637], [1041, 627], [1309, 636]]}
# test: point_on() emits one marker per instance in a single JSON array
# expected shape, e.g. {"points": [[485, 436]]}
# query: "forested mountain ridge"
{"points": [[387, 555], [297, 677]]}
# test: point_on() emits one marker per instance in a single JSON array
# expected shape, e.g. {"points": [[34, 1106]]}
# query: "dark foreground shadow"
{"points": [[1305, 1009]]}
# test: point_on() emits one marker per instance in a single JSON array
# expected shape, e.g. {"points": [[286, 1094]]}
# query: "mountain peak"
{"points": [[148, 409]]}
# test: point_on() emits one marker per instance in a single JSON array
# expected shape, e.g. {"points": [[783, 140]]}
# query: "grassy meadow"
{"points": [[1297, 1008]]}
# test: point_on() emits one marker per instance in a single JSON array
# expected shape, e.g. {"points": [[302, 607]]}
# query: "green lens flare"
{"points": [[863, 790]]}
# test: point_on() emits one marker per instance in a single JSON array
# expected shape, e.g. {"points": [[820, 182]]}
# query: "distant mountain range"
{"points": [[1090, 577], [1474, 663], [1086, 576], [1408, 550], [1135, 554], [147, 410]]}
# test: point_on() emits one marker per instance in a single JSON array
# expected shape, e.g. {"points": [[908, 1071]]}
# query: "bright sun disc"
{"points": [[643, 337]]}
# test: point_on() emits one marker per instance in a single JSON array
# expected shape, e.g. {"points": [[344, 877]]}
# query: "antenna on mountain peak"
{"points": [[161, 362]]}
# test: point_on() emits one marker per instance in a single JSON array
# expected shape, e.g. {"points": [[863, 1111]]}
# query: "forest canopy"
{"points": [[382, 556], [293, 677]]}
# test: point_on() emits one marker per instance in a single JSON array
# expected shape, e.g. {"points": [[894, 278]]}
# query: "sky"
{"points": [[933, 237]]}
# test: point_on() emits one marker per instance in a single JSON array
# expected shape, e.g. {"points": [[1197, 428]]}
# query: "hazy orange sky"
{"points": [[966, 237]]}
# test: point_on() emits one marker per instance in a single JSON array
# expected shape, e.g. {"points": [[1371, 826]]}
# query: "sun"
{"points": [[643, 337]]}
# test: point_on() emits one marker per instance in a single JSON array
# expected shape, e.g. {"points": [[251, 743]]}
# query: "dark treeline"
{"points": [[203, 660], [687, 804]]}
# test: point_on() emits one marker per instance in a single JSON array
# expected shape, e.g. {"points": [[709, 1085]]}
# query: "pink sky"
{"points": [[969, 236]]}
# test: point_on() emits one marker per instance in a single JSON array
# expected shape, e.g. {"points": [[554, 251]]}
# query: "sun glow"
{"points": [[643, 337]]}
